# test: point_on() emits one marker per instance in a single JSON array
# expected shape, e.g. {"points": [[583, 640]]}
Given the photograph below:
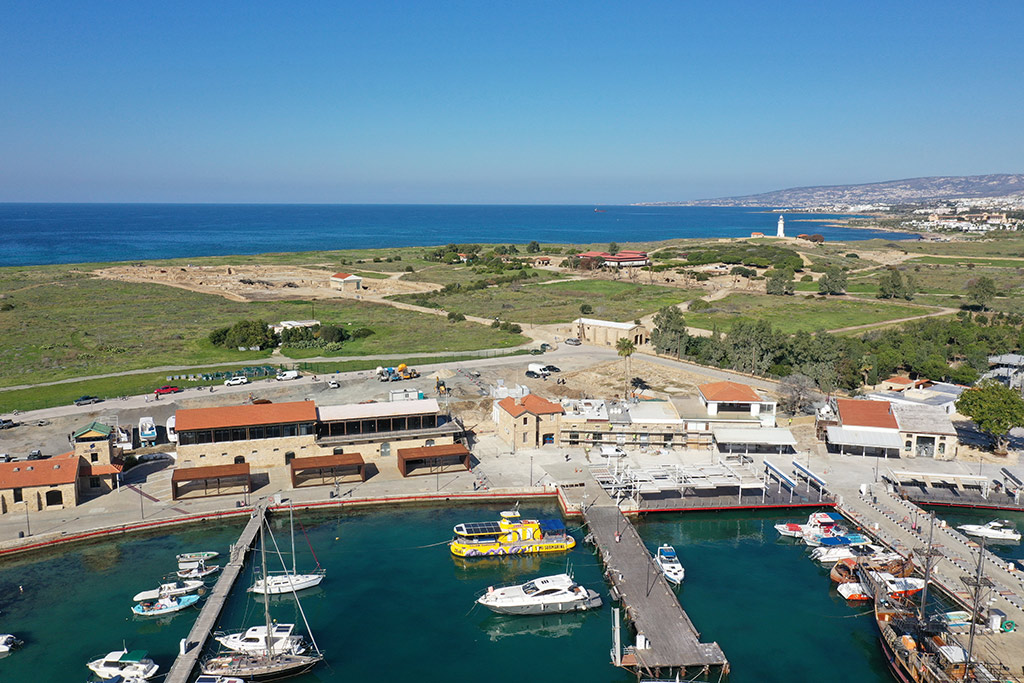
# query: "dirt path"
{"points": [[895, 321]]}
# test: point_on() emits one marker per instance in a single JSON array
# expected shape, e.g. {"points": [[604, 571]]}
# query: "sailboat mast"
{"points": [[927, 565], [266, 598], [291, 521], [978, 585]]}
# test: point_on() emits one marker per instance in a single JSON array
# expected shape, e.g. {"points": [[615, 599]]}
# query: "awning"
{"points": [[842, 436], [767, 436]]}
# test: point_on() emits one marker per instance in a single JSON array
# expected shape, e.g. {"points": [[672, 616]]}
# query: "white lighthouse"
{"points": [[781, 232]]}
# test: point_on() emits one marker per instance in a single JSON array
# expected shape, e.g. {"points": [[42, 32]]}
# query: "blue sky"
{"points": [[499, 102]]}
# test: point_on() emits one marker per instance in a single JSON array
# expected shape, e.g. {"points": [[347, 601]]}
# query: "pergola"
{"points": [[329, 469], [763, 440], [225, 479], [436, 458]]}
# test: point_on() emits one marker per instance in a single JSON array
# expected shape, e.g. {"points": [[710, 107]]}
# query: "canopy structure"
{"points": [[844, 436], [767, 439], [327, 469], [215, 480], [435, 458]]}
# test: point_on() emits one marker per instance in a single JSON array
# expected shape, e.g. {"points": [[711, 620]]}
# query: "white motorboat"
{"points": [[172, 589], [818, 523], [9, 642], [829, 555], [192, 558], [894, 587], [124, 663], [147, 431], [547, 595], [996, 530], [255, 640], [669, 564], [288, 581], [196, 570]]}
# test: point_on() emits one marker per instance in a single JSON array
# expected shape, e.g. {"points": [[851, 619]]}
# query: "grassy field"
{"points": [[795, 313], [997, 244], [561, 301], [65, 325], [963, 261], [444, 274]]}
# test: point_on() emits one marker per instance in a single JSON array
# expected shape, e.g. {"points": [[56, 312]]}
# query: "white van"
{"points": [[287, 374], [539, 368], [612, 452]]}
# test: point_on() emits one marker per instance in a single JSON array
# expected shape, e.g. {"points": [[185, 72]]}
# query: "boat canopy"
{"points": [[835, 541], [133, 656], [552, 526]]}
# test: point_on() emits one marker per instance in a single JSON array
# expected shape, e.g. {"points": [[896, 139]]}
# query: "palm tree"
{"points": [[625, 347]]}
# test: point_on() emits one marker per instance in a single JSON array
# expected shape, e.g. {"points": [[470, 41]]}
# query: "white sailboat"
{"points": [[267, 660], [288, 582]]}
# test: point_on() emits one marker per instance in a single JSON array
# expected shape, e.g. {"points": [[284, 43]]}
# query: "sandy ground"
{"points": [[262, 283]]}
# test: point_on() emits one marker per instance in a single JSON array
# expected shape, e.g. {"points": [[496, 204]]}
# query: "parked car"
{"points": [[573, 341], [532, 375], [551, 368], [87, 400], [236, 381], [7, 424], [42, 423], [286, 375], [332, 384], [36, 455], [168, 389]]}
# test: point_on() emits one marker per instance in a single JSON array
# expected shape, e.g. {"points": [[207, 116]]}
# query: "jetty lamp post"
{"points": [[28, 527], [531, 469]]}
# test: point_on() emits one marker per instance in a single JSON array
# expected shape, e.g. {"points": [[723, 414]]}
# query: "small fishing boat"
{"points": [[669, 564], [196, 570], [821, 523], [171, 590], [255, 640], [510, 535], [147, 431], [996, 530], [9, 642], [828, 555], [893, 587], [845, 570], [165, 605], [202, 555], [547, 595], [124, 663]]}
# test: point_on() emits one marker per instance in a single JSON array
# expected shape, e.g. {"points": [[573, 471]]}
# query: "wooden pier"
{"points": [[666, 638], [186, 662], [903, 526]]}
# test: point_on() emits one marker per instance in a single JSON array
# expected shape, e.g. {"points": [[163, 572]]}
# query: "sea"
{"points": [[38, 234], [396, 605]]}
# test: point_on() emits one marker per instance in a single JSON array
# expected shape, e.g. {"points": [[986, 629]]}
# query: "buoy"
{"points": [[1009, 627]]}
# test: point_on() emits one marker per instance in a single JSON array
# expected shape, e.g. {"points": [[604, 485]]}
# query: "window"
{"points": [[255, 432], [942, 448], [54, 498], [289, 430], [273, 431], [17, 496], [239, 459], [94, 457], [428, 442], [238, 434], [385, 450], [524, 437], [94, 482], [908, 445], [221, 435], [306, 429], [524, 421], [289, 456]]}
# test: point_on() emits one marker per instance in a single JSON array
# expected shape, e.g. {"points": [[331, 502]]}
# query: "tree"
{"points": [[625, 348], [669, 334], [981, 291], [249, 333], [779, 282], [833, 281], [613, 247], [533, 247], [586, 309], [995, 408], [894, 285], [797, 391]]}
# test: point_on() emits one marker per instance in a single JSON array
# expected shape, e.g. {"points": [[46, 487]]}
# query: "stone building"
{"points": [[99, 458], [378, 430], [35, 485], [608, 332], [528, 422]]}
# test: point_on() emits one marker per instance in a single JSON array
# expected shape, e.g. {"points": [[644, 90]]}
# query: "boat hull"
{"points": [[460, 549], [591, 601], [279, 585], [256, 668]]}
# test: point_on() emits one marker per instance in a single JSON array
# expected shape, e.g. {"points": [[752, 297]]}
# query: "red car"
{"points": [[168, 390]]}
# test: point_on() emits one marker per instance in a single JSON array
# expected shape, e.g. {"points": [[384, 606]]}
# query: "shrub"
{"points": [[852, 255], [699, 305], [454, 317], [806, 278], [410, 269], [361, 333], [586, 309]]}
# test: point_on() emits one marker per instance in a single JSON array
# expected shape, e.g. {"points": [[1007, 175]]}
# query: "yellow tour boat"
{"points": [[511, 536]]}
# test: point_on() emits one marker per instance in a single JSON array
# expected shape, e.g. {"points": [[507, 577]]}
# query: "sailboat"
{"points": [[288, 582], [265, 663]]}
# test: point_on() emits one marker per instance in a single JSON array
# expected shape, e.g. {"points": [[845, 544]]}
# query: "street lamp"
{"points": [[28, 527], [531, 469]]}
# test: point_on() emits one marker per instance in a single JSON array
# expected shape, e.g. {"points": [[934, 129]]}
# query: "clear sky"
{"points": [[499, 102]]}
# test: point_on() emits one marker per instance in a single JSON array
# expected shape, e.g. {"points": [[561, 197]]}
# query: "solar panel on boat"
{"points": [[480, 528]]}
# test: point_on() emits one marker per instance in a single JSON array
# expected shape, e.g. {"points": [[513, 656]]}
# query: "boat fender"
{"points": [[1009, 627]]}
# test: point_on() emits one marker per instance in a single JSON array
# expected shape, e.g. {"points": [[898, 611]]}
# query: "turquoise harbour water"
{"points": [[397, 606], [35, 234]]}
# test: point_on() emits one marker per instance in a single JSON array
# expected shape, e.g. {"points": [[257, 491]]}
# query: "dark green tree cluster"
{"points": [[981, 291], [896, 285], [952, 350], [779, 282], [245, 333], [833, 281], [752, 255], [995, 408]]}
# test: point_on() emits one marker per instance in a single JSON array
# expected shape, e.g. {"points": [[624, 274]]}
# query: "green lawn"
{"points": [[69, 326], [560, 301], [795, 313]]}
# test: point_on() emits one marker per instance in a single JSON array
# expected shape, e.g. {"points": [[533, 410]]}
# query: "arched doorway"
{"points": [[239, 459], [54, 497]]}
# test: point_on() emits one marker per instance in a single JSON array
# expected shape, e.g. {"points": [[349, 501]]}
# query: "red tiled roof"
{"points": [[729, 392], [87, 469], [861, 413], [61, 469], [896, 379], [594, 254], [530, 404], [343, 276], [242, 416]]}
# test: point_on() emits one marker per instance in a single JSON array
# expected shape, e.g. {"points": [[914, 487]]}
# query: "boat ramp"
{"points": [[904, 527], [192, 646]]}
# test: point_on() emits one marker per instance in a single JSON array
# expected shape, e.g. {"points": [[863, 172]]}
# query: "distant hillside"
{"points": [[911, 190]]}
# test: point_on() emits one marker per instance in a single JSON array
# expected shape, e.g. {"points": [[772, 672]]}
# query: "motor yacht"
{"points": [[996, 530], [894, 587], [669, 564], [124, 663], [546, 595]]}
